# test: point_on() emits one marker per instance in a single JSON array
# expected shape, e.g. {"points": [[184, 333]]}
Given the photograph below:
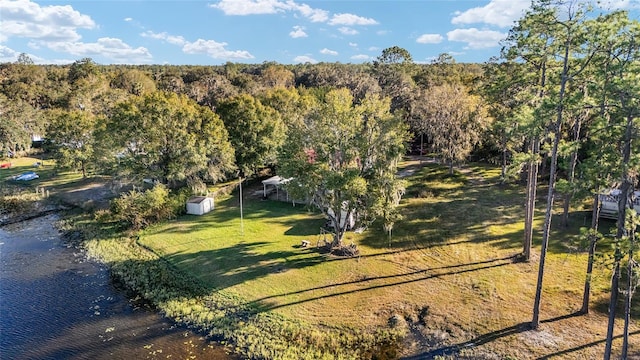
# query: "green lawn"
{"points": [[49, 176], [448, 267]]}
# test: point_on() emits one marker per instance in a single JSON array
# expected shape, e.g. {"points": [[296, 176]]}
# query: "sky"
{"points": [[215, 32]]}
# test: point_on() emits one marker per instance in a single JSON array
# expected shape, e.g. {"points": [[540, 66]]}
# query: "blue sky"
{"points": [[254, 31]]}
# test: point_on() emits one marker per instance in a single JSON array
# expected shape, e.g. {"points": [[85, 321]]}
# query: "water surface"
{"points": [[56, 304]]}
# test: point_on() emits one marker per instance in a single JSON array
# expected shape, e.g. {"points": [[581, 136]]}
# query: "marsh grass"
{"points": [[17, 200]]}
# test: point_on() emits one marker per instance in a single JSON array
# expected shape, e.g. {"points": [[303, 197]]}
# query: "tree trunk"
{"points": [[557, 128], [532, 181], [626, 188], [543, 164], [450, 167], [592, 250], [84, 169], [530, 205], [339, 232], [627, 302], [613, 301], [535, 322], [571, 176], [503, 170]]}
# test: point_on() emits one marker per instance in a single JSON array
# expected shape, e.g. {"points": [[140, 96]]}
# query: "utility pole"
{"points": [[241, 217]]}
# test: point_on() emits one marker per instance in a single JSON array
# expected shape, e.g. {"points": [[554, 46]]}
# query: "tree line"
{"points": [[558, 105]]}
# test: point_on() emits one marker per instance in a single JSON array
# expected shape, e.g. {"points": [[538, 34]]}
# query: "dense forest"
{"points": [[88, 97], [560, 105], [34, 96]]}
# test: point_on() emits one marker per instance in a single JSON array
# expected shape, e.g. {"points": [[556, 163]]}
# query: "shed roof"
{"points": [[197, 199]]}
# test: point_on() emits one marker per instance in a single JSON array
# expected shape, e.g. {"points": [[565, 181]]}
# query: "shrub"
{"points": [[137, 210], [178, 200], [16, 201]]}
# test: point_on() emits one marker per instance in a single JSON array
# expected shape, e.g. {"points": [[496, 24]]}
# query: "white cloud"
{"points": [[259, 7], [352, 44], [361, 57], [56, 27], [304, 59], [348, 31], [215, 50], [502, 13], [111, 48], [128, 19], [249, 7], [315, 15], [298, 32], [350, 19], [10, 55], [266, 7], [23, 18], [619, 4], [171, 39], [373, 48], [212, 48], [326, 51], [476, 39], [7, 54], [429, 39]]}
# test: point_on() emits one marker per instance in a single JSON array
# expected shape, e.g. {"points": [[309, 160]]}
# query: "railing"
{"points": [[609, 204]]}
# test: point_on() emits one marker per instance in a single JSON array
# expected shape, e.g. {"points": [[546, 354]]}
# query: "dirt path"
{"points": [[88, 194]]}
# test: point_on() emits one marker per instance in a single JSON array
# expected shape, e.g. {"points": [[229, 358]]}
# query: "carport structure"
{"points": [[273, 184]]}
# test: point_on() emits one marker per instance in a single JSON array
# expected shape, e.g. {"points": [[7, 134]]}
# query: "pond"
{"points": [[56, 304]]}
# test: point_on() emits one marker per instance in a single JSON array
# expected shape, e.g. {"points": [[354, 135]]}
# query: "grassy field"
{"points": [[447, 274], [22, 197], [49, 176], [66, 187]]}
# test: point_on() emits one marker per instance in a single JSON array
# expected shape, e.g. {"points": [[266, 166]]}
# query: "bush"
{"points": [[136, 210], [178, 200], [16, 201]]}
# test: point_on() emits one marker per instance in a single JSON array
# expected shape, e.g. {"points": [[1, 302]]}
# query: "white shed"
{"points": [[199, 205]]}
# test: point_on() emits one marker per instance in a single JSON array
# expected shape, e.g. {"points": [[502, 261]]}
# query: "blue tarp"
{"points": [[30, 175]]}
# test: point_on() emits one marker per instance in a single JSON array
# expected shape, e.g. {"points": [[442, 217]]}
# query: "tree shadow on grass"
{"points": [[602, 306], [229, 266], [438, 207], [567, 352], [484, 339], [305, 227], [222, 268], [378, 282]]}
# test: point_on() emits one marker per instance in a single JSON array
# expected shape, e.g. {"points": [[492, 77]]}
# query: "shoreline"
{"points": [[5, 221]]}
